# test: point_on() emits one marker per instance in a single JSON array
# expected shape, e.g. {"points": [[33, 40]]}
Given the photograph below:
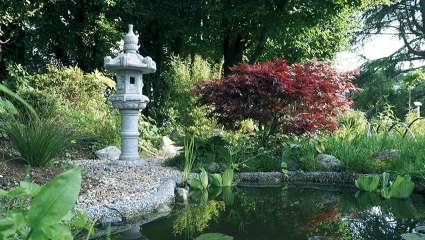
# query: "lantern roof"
{"points": [[130, 59]]}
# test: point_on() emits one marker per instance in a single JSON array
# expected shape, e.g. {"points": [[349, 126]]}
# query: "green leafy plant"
{"points": [[50, 205], [367, 183], [214, 236], [216, 180], [402, 187], [228, 176], [385, 192], [189, 158], [38, 141], [225, 180], [201, 182], [16, 97]]}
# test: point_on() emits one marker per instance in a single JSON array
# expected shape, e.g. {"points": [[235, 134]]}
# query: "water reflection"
{"points": [[293, 213], [192, 220]]}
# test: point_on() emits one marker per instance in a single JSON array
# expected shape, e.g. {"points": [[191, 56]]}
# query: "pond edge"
{"points": [[160, 203]]}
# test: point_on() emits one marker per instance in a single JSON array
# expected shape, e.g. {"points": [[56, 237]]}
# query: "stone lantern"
{"points": [[129, 68]]}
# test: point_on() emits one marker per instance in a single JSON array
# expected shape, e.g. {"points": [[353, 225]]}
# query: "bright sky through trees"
{"points": [[374, 47]]}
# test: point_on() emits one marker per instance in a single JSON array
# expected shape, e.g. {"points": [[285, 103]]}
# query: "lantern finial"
{"points": [[131, 41]]}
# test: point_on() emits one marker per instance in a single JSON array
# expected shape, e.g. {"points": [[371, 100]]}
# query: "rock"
{"points": [[182, 195], [420, 229], [216, 167], [387, 154], [329, 162], [109, 153], [168, 149]]}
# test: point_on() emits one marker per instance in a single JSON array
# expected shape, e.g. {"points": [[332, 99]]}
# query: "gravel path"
{"points": [[122, 186]]}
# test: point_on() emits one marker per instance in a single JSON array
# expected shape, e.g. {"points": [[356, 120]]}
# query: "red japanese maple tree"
{"points": [[296, 98]]}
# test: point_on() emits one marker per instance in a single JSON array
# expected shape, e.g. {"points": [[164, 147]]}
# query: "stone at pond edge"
{"points": [[168, 149], [109, 153], [320, 238], [387, 154], [216, 167], [182, 195], [328, 162]]}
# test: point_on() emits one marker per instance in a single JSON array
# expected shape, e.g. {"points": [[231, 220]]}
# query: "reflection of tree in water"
{"points": [[292, 213], [387, 221], [194, 219], [274, 212], [370, 217], [380, 226]]}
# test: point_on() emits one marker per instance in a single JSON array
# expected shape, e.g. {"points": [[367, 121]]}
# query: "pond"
{"points": [[294, 212]]}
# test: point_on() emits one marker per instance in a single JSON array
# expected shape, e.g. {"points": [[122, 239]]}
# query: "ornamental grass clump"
{"points": [[38, 141], [189, 158]]}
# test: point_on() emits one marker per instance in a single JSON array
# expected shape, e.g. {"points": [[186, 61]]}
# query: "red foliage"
{"points": [[298, 98]]}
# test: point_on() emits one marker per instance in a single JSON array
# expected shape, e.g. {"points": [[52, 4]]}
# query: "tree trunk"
{"points": [[233, 51]]}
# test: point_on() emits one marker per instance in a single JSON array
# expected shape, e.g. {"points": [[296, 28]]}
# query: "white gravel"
{"points": [[126, 188]]}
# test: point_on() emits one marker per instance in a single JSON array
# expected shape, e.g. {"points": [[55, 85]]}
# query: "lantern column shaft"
{"points": [[129, 135]]}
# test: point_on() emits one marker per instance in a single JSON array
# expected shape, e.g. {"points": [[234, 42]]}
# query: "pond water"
{"points": [[290, 213]]}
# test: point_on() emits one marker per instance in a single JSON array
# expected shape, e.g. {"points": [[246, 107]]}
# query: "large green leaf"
{"points": [[228, 177], [195, 184], [203, 177], [55, 199], [216, 180], [58, 232], [367, 183], [11, 224], [402, 187], [214, 236]]}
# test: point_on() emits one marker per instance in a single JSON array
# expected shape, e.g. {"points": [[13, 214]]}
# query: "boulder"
{"points": [[387, 154], [182, 195], [216, 167], [168, 149], [328, 162], [109, 153]]}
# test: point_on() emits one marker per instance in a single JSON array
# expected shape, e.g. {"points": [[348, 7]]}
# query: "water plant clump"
{"points": [[402, 187]]}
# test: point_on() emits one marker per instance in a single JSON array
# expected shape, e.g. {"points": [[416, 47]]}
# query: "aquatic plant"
{"points": [[201, 182], [367, 183], [228, 176], [385, 191], [225, 180], [189, 158], [216, 180], [401, 188]]}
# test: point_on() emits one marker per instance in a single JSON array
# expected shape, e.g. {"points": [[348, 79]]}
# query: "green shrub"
{"points": [[38, 141], [180, 113], [43, 102], [7, 114], [352, 123], [80, 100]]}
